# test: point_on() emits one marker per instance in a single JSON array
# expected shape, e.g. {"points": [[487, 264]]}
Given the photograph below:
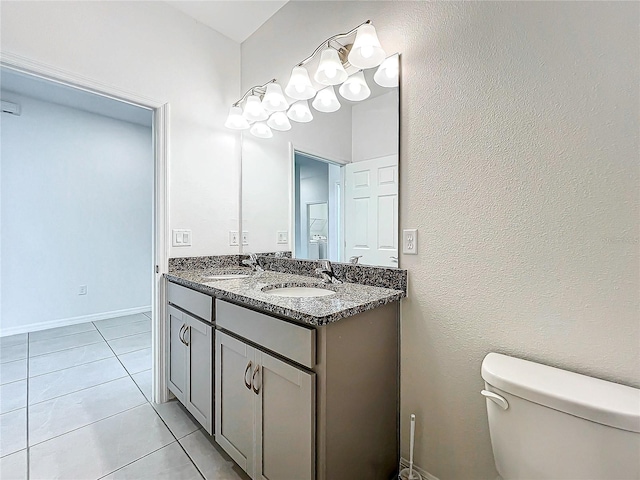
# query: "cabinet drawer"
{"points": [[194, 302], [292, 341]]}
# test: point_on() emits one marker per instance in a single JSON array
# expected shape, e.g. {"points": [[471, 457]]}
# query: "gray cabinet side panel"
{"points": [[359, 404]]}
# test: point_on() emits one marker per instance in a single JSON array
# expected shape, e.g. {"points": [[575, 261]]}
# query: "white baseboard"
{"points": [[63, 322], [404, 463]]}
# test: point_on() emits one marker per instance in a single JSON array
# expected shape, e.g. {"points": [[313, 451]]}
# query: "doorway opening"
{"points": [[98, 204], [317, 207]]}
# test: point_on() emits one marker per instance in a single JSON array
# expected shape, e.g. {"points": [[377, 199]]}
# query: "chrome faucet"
{"points": [[354, 260], [253, 263], [326, 272]]}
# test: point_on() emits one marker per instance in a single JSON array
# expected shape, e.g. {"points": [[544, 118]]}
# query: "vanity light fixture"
{"points": [[355, 88], [279, 121], [261, 130], [274, 100], [326, 100], [338, 57], [366, 51], [253, 110], [235, 120], [299, 86], [330, 71], [299, 112], [387, 73]]}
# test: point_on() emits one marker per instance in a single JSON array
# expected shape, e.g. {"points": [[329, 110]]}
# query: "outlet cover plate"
{"points": [[410, 241]]}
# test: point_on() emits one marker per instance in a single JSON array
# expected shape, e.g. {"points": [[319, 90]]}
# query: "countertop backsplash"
{"points": [[393, 278]]}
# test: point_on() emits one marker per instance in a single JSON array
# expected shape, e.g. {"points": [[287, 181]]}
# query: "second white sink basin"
{"points": [[299, 292]]}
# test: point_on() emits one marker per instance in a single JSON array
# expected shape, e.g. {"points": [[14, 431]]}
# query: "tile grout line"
{"points": [[81, 389], [159, 416], [74, 366], [65, 349], [91, 423], [167, 426], [59, 336], [83, 426]]}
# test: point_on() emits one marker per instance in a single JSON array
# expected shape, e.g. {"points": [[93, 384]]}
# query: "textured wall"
{"points": [[519, 166]]}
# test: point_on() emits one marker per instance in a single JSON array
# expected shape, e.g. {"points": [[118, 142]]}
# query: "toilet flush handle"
{"points": [[495, 398]]}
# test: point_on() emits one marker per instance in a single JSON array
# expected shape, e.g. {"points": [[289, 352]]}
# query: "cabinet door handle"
{"points": [[180, 334], [187, 329], [247, 370], [253, 380]]}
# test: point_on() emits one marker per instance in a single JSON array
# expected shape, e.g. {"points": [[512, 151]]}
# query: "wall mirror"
{"points": [[327, 189]]}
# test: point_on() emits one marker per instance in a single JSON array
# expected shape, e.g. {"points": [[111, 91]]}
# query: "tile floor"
{"points": [[74, 404]]}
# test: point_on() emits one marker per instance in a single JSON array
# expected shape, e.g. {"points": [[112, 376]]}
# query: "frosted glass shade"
{"points": [[355, 88], [299, 86], [253, 110], [261, 130], [279, 121], [299, 112], [326, 100], [366, 51], [273, 100], [330, 70], [235, 120], [387, 73]]}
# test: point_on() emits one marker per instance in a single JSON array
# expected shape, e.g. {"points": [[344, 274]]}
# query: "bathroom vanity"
{"points": [[305, 388]]}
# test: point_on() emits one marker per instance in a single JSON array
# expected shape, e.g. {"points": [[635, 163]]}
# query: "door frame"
{"points": [[160, 244], [292, 195]]}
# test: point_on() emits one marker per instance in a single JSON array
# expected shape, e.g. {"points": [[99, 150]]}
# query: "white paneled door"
{"points": [[371, 211]]}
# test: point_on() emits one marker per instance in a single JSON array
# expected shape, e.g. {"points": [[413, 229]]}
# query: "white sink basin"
{"points": [[227, 276], [299, 292]]}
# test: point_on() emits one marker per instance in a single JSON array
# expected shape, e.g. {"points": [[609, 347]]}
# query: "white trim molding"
{"points": [[64, 322], [160, 109], [404, 463], [65, 77]]}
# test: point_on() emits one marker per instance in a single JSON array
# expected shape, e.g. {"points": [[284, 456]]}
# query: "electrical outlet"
{"points": [[283, 238], [245, 238], [82, 290], [181, 238], [410, 241], [233, 238]]}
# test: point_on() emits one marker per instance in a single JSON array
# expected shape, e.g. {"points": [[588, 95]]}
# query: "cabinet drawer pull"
{"points": [[187, 329], [253, 380], [247, 370], [180, 334]]}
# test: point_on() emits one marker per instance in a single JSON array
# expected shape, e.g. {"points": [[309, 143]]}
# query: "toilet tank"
{"points": [[559, 424]]}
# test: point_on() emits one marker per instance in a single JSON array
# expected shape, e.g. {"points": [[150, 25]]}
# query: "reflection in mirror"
{"points": [[328, 187]]}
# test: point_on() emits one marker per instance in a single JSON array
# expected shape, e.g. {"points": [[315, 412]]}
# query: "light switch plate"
{"points": [[410, 241], [283, 238], [82, 290], [181, 238], [245, 238], [233, 238]]}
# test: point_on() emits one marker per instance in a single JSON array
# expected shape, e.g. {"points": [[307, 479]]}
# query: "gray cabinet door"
{"points": [[177, 356], [199, 391], [285, 410], [234, 425]]}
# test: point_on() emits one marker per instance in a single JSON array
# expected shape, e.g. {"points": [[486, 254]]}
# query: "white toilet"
{"points": [[548, 423]]}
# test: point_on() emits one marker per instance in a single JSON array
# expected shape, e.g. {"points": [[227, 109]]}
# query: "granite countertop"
{"points": [[349, 299]]}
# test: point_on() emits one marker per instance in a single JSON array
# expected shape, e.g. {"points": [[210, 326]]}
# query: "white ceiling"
{"points": [[236, 19]]}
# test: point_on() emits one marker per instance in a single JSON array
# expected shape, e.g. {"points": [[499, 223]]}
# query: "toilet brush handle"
{"points": [[413, 432]]}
